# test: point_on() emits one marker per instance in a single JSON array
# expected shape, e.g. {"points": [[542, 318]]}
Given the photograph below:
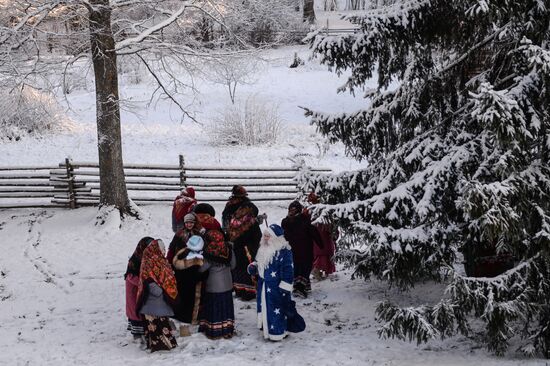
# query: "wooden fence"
{"points": [[32, 186], [74, 184]]}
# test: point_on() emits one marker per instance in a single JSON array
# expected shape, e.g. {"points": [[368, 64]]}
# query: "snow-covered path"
{"points": [[62, 299]]}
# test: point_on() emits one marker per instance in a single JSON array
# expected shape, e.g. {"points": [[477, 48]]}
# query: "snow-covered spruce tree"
{"points": [[456, 144]]}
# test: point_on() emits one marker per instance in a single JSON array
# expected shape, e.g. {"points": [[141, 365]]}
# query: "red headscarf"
{"points": [[188, 192], [184, 203], [154, 267], [216, 248], [208, 222], [312, 198]]}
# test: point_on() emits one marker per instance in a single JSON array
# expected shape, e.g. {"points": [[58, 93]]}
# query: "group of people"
{"points": [[193, 281]]}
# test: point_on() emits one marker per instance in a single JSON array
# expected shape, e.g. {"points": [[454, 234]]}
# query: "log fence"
{"points": [[73, 184]]}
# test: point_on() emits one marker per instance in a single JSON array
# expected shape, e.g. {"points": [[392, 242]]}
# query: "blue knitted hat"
{"points": [[195, 243], [277, 230]]}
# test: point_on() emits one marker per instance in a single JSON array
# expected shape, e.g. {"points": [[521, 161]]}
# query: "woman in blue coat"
{"points": [[274, 270]]}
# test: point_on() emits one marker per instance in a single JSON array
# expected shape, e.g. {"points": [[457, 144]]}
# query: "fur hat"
{"points": [[204, 208], [195, 243], [238, 191], [277, 230], [296, 205], [190, 217]]}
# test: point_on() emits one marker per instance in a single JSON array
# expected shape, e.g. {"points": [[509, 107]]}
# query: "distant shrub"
{"points": [[30, 112], [253, 122]]}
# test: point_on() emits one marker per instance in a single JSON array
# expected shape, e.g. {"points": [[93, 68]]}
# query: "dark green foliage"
{"points": [[456, 142]]}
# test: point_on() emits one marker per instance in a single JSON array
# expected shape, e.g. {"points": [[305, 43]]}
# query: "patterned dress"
{"points": [[217, 314], [155, 268], [136, 324]]}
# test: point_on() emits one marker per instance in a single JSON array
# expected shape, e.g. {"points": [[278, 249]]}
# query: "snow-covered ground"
{"points": [[62, 302], [61, 285]]}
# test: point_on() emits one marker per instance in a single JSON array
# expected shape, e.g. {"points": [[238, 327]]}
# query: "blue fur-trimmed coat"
{"points": [[275, 272]]}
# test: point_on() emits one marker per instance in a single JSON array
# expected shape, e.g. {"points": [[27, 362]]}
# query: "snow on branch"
{"points": [[149, 31]]}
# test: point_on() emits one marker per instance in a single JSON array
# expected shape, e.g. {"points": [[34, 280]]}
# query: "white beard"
{"points": [[268, 250]]}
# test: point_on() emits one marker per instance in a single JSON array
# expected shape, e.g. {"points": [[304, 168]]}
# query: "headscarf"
{"points": [[216, 248], [188, 192], [184, 203], [154, 267], [312, 198], [134, 263], [208, 222], [241, 221]]}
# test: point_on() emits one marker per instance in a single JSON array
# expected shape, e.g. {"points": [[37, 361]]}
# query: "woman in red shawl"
{"points": [[136, 325], [183, 204], [240, 221], [157, 294], [323, 257]]}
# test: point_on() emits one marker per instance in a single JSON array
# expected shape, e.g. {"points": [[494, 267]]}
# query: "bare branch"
{"points": [[165, 90]]}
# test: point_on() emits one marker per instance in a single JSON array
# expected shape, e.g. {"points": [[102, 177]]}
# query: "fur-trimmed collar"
{"points": [[268, 251], [187, 263]]}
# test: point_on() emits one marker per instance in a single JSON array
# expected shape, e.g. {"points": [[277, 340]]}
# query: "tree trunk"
{"points": [[309, 11], [111, 172]]}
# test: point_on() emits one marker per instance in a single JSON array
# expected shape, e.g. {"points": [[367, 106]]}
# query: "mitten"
{"points": [[252, 269]]}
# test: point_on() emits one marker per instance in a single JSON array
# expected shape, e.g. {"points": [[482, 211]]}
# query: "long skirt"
{"points": [[158, 334], [136, 327], [243, 284], [324, 263], [217, 315]]}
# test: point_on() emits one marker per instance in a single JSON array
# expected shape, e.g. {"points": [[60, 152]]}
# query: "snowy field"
{"points": [[62, 301], [61, 285], [156, 134]]}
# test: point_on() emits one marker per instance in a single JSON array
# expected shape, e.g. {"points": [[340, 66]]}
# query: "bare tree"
{"points": [[233, 70], [157, 32], [111, 172]]}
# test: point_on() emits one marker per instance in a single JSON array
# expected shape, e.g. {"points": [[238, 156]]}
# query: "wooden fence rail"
{"points": [[29, 186], [74, 184]]}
